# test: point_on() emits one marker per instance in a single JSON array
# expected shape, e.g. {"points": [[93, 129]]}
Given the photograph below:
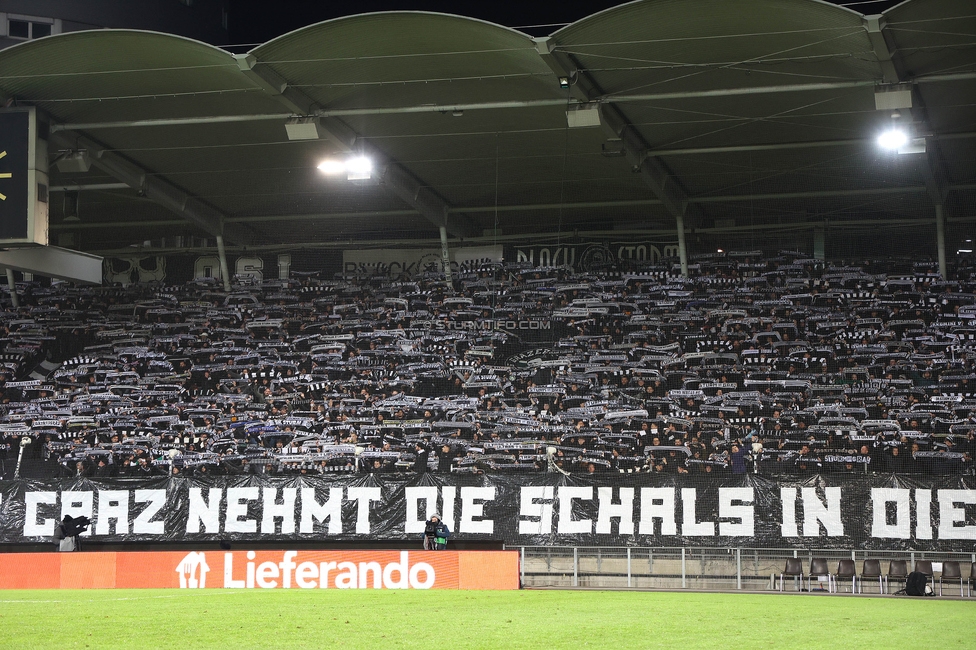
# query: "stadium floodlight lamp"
{"points": [[893, 139], [359, 168], [332, 167]]}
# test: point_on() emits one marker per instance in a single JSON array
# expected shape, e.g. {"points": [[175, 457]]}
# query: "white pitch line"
{"points": [[209, 592]]}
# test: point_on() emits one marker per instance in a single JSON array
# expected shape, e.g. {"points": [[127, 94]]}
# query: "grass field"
{"points": [[449, 620]]}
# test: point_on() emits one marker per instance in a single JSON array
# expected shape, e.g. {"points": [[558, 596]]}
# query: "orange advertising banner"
{"points": [[262, 570]]}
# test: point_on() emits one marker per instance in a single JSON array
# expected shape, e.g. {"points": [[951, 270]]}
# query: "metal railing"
{"points": [[747, 569]]}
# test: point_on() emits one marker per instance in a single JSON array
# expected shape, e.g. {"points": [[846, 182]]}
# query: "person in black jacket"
{"points": [[422, 455], [436, 533]]}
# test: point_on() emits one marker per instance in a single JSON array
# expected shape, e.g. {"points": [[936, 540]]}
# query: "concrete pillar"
{"points": [[940, 239], [682, 245], [222, 254], [12, 286], [446, 257], [819, 237]]}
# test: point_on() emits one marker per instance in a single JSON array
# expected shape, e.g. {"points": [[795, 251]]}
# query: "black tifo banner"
{"points": [[820, 511]]}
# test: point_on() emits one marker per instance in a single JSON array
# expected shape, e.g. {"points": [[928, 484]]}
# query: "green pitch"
{"points": [[450, 620]]}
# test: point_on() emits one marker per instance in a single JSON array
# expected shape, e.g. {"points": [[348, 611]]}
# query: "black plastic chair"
{"points": [[971, 579], [872, 570], [793, 569], [846, 569], [951, 571], [819, 569], [897, 570]]}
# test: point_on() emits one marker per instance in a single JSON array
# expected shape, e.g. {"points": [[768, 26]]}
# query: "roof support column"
{"points": [[222, 254], [940, 239], [682, 246], [12, 287], [446, 257]]}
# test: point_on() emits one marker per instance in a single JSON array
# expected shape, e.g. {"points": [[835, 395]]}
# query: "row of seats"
{"points": [[898, 570]]}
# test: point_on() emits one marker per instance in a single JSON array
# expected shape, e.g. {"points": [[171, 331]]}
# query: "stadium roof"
{"points": [[731, 113]]}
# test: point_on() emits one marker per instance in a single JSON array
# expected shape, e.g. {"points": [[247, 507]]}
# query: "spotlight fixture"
{"points": [[564, 82], [332, 167], [893, 139], [357, 168]]}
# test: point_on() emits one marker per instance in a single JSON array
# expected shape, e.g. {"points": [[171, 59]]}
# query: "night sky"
{"points": [[257, 21]]}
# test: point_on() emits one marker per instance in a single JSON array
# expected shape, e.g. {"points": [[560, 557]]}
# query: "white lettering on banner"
{"points": [[77, 504], [787, 497], [690, 526], [536, 504], [313, 511], [274, 510], [951, 514], [394, 262], [252, 267], [413, 495], [204, 512], [207, 266], [155, 273], [309, 575], [472, 506], [815, 512], [31, 526], [567, 525], [884, 513], [923, 514], [650, 510], [624, 511], [237, 506], [113, 508], [364, 496], [744, 511], [901, 527], [126, 270], [414, 523], [448, 493], [143, 523]]}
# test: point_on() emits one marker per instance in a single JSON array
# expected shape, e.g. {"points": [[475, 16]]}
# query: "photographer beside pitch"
{"points": [[436, 533], [66, 533]]}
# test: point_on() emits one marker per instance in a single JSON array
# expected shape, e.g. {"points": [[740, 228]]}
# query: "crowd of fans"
{"points": [[751, 364]]}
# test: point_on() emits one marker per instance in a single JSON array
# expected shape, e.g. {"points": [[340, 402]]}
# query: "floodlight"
{"points": [[893, 139], [359, 168], [564, 82], [332, 167]]}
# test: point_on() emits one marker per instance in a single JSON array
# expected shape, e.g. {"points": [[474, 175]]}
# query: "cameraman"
{"points": [[66, 533], [436, 534]]}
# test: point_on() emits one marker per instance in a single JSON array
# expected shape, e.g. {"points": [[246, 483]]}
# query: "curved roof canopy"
{"points": [[705, 109]]}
